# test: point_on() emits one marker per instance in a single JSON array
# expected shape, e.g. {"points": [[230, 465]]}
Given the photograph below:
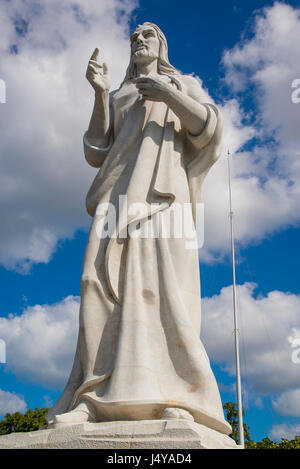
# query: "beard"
{"points": [[143, 55]]}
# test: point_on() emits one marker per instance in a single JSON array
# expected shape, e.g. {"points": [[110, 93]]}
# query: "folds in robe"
{"points": [[138, 348]]}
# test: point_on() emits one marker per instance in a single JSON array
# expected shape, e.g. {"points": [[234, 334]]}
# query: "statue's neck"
{"points": [[145, 69]]}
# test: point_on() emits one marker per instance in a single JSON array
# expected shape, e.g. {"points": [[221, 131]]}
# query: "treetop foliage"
{"points": [[30, 421], [232, 418]]}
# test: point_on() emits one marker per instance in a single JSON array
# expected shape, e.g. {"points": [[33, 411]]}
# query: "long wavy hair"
{"points": [[164, 66]]}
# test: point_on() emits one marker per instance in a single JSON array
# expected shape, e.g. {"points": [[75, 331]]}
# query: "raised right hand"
{"points": [[99, 81]]}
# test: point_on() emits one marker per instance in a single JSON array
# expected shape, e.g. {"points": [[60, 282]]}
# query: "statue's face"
{"points": [[144, 44]]}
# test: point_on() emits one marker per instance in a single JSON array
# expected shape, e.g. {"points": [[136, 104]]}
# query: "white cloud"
{"points": [[266, 323], [216, 195], [44, 178], [269, 61], [288, 432], [266, 196], [288, 403], [268, 326], [11, 403], [40, 343], [258, 402], [48, 401]]}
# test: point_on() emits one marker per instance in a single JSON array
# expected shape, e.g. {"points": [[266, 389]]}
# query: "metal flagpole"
{"points": [[236, 330]]}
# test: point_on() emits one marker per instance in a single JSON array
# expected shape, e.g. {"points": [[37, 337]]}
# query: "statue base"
{"points": [[142, 434]]}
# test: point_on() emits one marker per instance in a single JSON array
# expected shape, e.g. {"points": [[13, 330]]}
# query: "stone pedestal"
{"points": [[143, 434]]}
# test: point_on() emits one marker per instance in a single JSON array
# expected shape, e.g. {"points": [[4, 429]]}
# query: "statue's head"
{"points": [[149, 42]]}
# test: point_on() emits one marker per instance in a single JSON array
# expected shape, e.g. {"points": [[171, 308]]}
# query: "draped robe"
{"points": [[139, 349]]}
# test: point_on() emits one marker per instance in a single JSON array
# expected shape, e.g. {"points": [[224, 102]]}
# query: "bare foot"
{"points": [[176, 413], [82, 413]]}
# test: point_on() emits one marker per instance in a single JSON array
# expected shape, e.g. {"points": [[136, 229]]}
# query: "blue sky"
{"points": [[247, 55]]}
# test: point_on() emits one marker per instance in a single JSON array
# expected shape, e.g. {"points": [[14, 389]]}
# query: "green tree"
{"points": [[266, 443], [232, 418], [30, 421]]}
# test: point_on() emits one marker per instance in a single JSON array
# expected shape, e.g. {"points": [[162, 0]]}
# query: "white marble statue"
{"points": [[139, 355]]}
